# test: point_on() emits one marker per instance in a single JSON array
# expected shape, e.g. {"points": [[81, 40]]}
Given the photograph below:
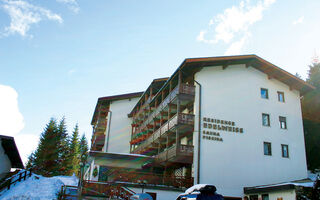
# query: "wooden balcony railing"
{"points": [[100, 126], [176, 153], [183, 89], [178, 119], [153, 179], [98, 142], [106, 189]]}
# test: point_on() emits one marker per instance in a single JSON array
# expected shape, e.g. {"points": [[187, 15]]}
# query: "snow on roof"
{"points": [[313, 176], [38, 187], [302, 184]]}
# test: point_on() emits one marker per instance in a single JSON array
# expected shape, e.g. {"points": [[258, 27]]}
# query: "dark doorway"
{"points": [[153, 195]]}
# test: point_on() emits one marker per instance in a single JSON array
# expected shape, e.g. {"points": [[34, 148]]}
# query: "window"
{"points": [[265, 197], [267, 148], [264, 93], [281, 96], [285, 150], [265, 119], [253, 197], [283, 122]]}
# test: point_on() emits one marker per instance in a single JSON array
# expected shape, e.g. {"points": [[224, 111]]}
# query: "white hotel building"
{"points": [[233, 121]]}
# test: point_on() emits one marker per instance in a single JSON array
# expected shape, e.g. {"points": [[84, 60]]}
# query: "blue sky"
{"points": [[59, 56]]}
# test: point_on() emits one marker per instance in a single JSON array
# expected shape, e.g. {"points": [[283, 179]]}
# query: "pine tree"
{"points": [[83, 149], [63, 147], [298, 75], [46, 156], [30, 162], [311, 101], [74, 152], [311, 118]]}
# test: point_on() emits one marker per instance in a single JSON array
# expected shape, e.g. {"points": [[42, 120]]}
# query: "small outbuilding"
{"points": [[9, 155]]}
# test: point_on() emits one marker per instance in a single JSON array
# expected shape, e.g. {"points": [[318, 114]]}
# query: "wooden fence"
{"points": [[106, 189], [21, 176], [68, 192]]}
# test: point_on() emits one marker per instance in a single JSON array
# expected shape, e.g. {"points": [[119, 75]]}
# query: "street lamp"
{"points": [[143, 184]]}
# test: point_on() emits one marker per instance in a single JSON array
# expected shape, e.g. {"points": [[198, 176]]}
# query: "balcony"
{"points": [[98, 142], [177, 153], [180, 120], [185, 92], [101, 125], [153, 179]]}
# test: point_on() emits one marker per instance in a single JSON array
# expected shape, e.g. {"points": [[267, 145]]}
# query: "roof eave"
{"points": [[113, 98]]}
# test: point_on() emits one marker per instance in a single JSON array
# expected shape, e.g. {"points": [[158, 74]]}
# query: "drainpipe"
{"points": [[199, 134], [108, 131], [199, 129]]}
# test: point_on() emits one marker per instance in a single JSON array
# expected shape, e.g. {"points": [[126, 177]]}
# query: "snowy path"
{"points": [[38, 188]]}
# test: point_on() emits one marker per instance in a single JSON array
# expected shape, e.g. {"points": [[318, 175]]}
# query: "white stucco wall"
{"points": [[284, 194], [93, 165], [5, 164], [161, 194], [234, 94], [120, 126]]}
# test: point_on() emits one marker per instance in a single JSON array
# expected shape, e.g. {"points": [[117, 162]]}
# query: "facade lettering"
{"points": [[220, 125]]}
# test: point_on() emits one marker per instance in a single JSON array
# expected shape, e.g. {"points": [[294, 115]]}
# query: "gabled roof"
{"points": [[254, 61], [11, 150], [191, 65], [108, 99]]}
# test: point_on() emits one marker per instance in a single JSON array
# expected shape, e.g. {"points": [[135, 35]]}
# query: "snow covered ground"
{"points": [[38, 187]]}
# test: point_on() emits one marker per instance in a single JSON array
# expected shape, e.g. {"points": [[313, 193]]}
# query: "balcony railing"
{"points": [[110, 190], [153, 179], [183, 89], [98, 142], [101, 125], [178, 119], [176, 153]]}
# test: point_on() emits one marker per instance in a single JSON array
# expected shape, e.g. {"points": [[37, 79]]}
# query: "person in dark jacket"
{"points": [[209, 193]]}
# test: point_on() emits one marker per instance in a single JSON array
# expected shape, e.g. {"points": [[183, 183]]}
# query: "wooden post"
{"points": [[20, 177], [177, 131], [180, 78], [154, 130], [169, 112], [162, 95], [131, 138], [9, 183], [167, 145]]}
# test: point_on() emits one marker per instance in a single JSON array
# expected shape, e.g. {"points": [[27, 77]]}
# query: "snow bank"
{"points": [[313, 176], [68, 180], [38, 188]]}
